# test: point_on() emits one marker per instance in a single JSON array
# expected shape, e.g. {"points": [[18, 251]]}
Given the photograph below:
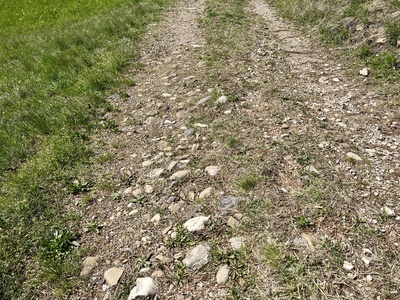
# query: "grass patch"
{"points": [[59, 60]]}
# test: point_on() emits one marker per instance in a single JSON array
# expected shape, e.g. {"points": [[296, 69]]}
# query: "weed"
{"points": [[393, 32], [94, 226], [183, 238], [180, 274], [364, 51], [304, 159], [249, 182], [302, 221], [77, 186], [59, 245], [144, 262], [233, 142]]}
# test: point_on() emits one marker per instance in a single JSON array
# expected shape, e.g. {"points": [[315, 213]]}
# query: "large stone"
{"points": [[223, 274], [229, 205], [112, 276], [354, 156], [88, 265], [206, 193], [179, 175], [212, 170], [145, 287], [237, 242], [221, 100], [196, 224], [197, 257]]}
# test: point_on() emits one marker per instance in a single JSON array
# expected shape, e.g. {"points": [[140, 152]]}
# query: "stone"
{"points": [[179, 175], [112, 276], [148, 189], [147, 163], [157, 274], [145, 287], [197, 257], [88, 265], [172, 165], [229, 205], [152, 121], [204, 100], [175, 207], [137, 192], [156, 173], [364, 72], [232, 222], [237, 242], [381, 40], [206, 193], [156, 218], [347, 266], [212, 170], [312, 169], [221, 100], [388, 212], [354, 156], [128, 190], [222, 274], [166, 95], [190, 132], [196, 224]]}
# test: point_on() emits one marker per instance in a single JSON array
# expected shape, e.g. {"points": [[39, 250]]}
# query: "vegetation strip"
{"points": [[58, 64]]}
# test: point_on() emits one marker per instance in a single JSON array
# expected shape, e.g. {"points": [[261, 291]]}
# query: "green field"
{"points": [[59, 61]]}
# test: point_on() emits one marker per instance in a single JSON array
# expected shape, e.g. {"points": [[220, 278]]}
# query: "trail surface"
{"points": [[282, 158]]}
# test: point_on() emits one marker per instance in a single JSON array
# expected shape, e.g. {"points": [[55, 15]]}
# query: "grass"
{"points": [[59, 61], [335, 24]]}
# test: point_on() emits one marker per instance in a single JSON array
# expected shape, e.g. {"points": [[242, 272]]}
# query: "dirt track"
{"points": [[307, 146]]}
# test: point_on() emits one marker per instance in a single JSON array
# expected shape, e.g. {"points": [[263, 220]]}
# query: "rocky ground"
{"points": [[246, 162]]}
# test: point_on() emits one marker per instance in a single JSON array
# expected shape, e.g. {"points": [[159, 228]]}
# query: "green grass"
{"points": [[60, 59]]}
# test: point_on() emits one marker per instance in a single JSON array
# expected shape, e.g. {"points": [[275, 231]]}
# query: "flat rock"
{"points": [[147, 163], [137, 192], [223, 274], [88, 265], [196, 224], [206, 193], [221, 100], [145, 287], [388, 212], [212, 170], [190, 132], [156, 173], [148, 189], [312, 169], [197, 257], [204, 100], [348, 266], [232, 222], [179, 175], [237, 242], [229, 205], [112, 276], [354, 156], [364, 72], [157, 274]]}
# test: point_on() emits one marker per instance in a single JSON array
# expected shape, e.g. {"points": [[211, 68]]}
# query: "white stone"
{"points": [[388, 211], [236, 242], [364, 72], [145, 287], [88, 265], [147, 163], [206, 193], [203, 100], [212, 170], [156, 219], [112, 276], [157, 274], [353, 156], [223, 274], [196, 224], [137, 192], [197, 257], [156, 173], [221, 100], [312, 169], [180, 174], [148, 189], [347, 266]]}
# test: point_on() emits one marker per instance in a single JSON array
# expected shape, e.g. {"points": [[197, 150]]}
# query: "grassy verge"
{"points": [[59, 60], [370, 30]]}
